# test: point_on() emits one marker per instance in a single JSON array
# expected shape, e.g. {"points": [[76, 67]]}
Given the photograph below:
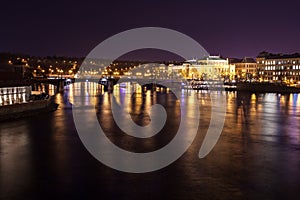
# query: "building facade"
{"points": [[245, 69], [279, 67], [208, 68]]}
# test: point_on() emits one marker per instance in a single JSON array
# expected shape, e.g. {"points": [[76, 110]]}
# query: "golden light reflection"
{"points": [[106, 101], [14, 145], [148, 99], [253, 97]]}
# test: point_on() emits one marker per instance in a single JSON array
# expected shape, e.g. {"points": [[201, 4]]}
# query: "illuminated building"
{"points": [[245, 68], [279, 67], [211, 67]]}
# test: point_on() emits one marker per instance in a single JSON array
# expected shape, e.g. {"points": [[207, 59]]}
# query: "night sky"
{"points": [[229, 28]]}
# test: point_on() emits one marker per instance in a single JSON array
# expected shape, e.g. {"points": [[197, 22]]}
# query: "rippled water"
{"points": [[256, 157]]}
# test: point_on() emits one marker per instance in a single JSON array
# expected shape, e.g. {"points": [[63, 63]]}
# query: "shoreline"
{"points": [[266, 88], [261, 87]]}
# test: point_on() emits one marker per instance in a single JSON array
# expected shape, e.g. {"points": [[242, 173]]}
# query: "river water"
{"points": [[256, 157]]}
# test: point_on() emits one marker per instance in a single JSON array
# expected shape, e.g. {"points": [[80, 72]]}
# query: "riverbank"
{"points": [[266, 87], [262, 87]]}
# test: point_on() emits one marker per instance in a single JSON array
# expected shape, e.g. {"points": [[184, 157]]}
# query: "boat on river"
{"points": [[37, 104]]}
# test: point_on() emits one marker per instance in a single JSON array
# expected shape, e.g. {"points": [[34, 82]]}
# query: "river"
{"points": [[256, 157]]}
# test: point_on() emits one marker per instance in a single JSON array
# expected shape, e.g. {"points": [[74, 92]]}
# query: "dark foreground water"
{"points": [[256, 157]]}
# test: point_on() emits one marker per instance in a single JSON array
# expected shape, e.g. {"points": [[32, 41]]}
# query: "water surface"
{"points": [[256, 157]]}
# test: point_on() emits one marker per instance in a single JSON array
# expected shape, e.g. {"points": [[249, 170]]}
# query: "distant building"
{"points": [[211, 67], [245, 68], [279, 67], [157, 71]]}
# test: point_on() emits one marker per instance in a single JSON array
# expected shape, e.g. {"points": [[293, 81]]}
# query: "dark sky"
{"points": [[73, 28]]}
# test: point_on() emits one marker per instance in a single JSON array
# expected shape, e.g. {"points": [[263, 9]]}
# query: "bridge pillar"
{"points": [[109, 87], [60, 86], [47, 88]]}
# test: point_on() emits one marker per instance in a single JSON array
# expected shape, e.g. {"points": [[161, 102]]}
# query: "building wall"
{"points": [[245, 70], [212, 67], [279, 69]]}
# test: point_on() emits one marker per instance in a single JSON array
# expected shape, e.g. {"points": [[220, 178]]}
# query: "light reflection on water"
{"points": [[257, 155]]}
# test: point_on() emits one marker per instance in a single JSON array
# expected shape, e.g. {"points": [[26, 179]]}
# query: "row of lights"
{"points": [[12, 95]]}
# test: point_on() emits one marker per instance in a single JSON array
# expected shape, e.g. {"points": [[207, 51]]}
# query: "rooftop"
{"points": [[244, 60], [268, 55]]}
